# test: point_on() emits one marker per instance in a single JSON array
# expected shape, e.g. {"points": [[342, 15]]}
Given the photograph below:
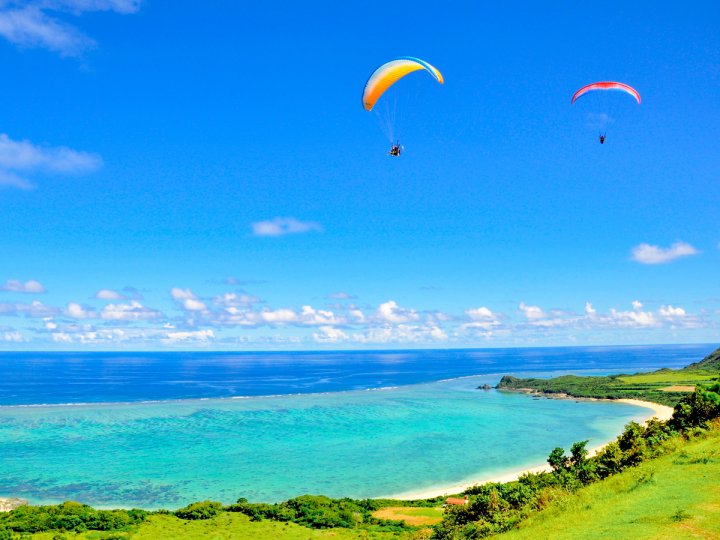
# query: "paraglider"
{"points": [[380, 82], [606, 85]]}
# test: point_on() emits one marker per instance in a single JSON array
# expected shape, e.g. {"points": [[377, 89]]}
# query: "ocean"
{"points": [[160, 430]]}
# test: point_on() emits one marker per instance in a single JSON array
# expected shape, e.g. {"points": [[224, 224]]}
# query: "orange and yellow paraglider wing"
{"points": [[388, 74]]}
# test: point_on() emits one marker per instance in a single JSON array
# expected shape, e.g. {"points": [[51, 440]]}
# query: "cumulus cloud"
{"points": [[235, 299], [329, 334], [108, 294], [481, 314], [12, 336], [33, 310], [649, 254], [672, 312], [30, 286], [281, 226], [630, 319], [18, 159], [402, 333], [392, 313], [192, 336], [33, 24], [532, 313], [76, 311], [133, 311], [279, 316], [187, 299]]}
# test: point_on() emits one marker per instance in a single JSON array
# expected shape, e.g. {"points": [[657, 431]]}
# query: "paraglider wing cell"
{"points": [[607, 85], [391, 72]]}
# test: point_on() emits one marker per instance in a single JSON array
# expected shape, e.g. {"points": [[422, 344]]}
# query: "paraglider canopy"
{"points": [[391, 72], [606, 85]]}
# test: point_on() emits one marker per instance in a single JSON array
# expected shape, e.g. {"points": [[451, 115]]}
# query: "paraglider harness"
{"points": [[602, 138], [395, 150]]}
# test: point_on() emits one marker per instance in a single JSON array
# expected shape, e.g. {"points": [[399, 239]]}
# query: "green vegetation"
{"points": [[665, 386], [675, 496]]}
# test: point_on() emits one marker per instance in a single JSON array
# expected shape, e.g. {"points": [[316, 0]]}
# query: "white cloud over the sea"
{"points": [[228, 319], [30, 286], [281, 226], [649, 254], [21, 159], [34, 23]]}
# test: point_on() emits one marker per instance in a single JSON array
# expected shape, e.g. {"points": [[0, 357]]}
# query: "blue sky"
{"points": [[204, 176]]}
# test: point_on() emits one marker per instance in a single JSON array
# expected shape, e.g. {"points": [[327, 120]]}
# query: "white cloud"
{"points": [[311, 316], [281, 226], [29, 286], [108, 294], [76, 311], [187, 299], [134, 311], [357, 314], [402, 333], [532, 313], [590, 311], [649, 254], [20, 158], [392, 313], [28, 23], [631, 319], [13, 336], [672, 312], [637, 304], [329, 334], [236, 300], [480, 314], [197, 335], [279, 316], [33, 310]]}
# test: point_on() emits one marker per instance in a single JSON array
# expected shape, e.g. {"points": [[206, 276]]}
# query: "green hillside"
{"points": [[675, 496], [665, 386], [710, 363]]}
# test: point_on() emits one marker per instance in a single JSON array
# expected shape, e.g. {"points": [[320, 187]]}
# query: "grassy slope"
{"points": [[647, 386], [676, 496], [227, 526]]}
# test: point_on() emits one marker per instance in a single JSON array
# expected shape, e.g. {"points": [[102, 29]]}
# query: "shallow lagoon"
{"points": [[365, 443]]}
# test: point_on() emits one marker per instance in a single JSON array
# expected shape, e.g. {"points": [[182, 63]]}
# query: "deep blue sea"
{"points": [[69, 377], [158, 430]]}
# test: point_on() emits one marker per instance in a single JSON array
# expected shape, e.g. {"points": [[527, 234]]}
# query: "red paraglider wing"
{"points": [[607, 85]]}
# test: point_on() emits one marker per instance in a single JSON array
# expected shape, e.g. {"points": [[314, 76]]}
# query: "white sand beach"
{"points": [[661, 412]]}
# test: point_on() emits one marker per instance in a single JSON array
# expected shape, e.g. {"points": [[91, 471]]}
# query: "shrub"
{"points": [[200, 510]]}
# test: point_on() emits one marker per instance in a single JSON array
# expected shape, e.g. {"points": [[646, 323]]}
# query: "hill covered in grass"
{"points": [[664, 386], [674, 496]]}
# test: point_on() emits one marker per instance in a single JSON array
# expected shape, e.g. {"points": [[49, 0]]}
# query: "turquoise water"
{"points": [[367, 443]]}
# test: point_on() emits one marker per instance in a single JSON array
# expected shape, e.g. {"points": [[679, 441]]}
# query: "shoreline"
{"points": [[661, 412]]}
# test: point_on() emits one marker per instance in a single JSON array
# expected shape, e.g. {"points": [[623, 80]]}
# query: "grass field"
{"points": [[226, 526], [675, 497], [670, 377]]}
